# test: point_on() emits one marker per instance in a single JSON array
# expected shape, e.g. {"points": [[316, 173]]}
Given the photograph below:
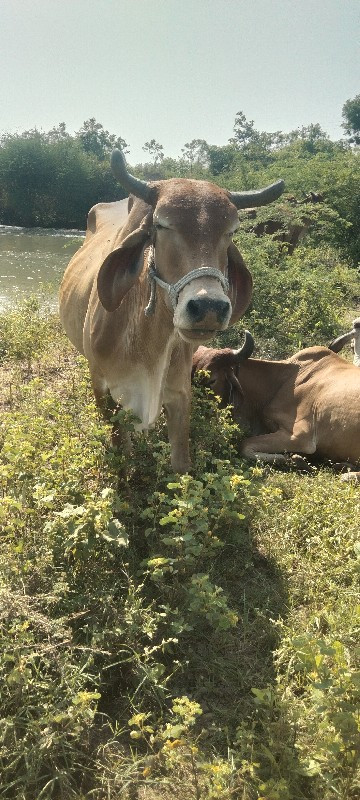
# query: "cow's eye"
{"points": [[159, 227]]}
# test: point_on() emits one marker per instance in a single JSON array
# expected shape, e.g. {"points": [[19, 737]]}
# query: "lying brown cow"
{"points": [[155, 276], [306, 404]]}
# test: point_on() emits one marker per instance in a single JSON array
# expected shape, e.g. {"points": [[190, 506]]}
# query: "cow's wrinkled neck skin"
{"points": [[127, 336]]}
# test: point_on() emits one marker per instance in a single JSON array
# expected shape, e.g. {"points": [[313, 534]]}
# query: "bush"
{"points": [[167, 636], [299, 300]]}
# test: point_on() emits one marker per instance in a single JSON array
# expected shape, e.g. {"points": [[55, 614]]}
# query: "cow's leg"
{"points": [[176, 402], [177, 410], [270, 446], [101, 393], [120, 440]]}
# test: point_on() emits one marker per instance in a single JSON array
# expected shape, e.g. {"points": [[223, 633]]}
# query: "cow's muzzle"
{"points": [[174, 289], [200, 308]]}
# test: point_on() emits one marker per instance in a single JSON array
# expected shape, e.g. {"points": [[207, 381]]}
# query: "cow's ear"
{"points": [[122, 266], [240, 280]]}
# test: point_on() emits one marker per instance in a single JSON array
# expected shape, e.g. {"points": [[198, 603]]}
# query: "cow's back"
{"points": [[330, 387], [105, 221]]}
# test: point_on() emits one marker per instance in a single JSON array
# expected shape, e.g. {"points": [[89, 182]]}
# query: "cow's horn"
{"points": [[258, 197], [247, 349], [337, 344], [129, 182]]}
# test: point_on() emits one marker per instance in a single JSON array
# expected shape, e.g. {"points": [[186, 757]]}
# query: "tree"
{"points": [[253, 145], [97, 141], [196, 152], [221, 159], [244, 131], [51, 182], [311, 137], [351, 115], [155, 150], [58, 134]]}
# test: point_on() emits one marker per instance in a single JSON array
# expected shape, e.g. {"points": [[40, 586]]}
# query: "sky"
{"points": [[177, 70]]}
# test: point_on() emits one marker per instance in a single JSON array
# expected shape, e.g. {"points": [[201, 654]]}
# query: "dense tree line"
{"points": [[52, 179]]}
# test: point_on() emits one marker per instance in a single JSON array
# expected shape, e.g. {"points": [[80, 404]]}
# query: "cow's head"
{"points": [[189, 225], [223, 367]]}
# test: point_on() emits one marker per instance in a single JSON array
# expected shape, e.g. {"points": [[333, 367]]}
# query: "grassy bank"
{"points": [[166, 637]]}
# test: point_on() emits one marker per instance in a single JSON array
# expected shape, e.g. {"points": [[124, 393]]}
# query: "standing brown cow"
{"points": [[155, 276]]}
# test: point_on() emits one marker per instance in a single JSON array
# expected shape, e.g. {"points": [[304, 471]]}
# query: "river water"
{"points": [[32, 259]]}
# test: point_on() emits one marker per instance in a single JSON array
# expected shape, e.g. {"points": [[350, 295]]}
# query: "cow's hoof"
{"points": [[350, 477], [300, 463]]}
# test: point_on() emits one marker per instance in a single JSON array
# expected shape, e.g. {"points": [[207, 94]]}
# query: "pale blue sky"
{"points": [[175, 70]]}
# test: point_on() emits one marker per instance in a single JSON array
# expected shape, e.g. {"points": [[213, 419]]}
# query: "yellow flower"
{"points": [[175, 743]]}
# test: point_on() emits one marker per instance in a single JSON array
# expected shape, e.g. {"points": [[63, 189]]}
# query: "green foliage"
{"points": [[26, 331], [302, 299], [351, 116], [97, 141], [185, 637], [298, 301], [155, 150], [53, 178], [51, 182]]}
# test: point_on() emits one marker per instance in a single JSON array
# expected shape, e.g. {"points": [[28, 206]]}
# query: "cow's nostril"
{"points": [[196, 309], [222, 309]]}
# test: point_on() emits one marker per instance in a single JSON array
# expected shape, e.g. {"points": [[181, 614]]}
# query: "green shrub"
{"points": [[299, 300], [164, 636]]}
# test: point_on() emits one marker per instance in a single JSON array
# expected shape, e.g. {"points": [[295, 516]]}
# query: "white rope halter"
{"points": [[174, 289]]}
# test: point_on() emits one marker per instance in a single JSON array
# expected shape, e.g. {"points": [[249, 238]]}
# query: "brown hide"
{"points": [[306, 404]]}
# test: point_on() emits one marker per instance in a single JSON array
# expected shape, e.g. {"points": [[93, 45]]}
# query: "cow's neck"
{"points": [[262, 379], [143, 346]]}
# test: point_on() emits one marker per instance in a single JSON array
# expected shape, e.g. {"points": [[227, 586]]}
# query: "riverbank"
{"points": [[32, 259]]}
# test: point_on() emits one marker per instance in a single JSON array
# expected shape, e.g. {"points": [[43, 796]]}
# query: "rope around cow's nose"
{"points": [[174, 289]]}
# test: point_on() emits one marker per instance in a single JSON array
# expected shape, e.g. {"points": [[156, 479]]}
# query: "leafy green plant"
{"points": [[217, 611], [26, 331]]}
